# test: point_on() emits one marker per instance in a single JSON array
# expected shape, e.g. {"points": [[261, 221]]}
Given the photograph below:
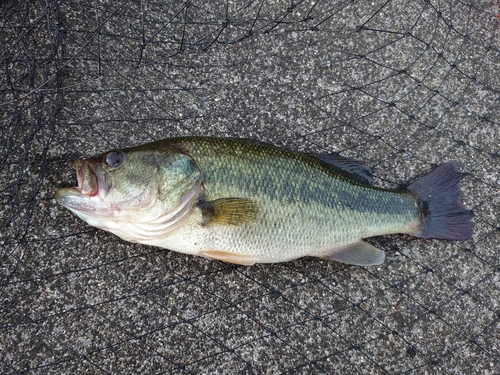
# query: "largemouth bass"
{"points": [[246, 202]]}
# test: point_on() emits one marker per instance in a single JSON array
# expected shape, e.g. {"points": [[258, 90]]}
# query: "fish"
{"points": [[244, 202]]}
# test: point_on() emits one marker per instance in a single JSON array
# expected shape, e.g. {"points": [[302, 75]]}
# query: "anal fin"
{"points": [[229, 257], [359, 254], [228, 211]]}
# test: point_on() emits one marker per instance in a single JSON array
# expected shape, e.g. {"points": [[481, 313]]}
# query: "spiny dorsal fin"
{"points": [[353, 168], [228, 211]]}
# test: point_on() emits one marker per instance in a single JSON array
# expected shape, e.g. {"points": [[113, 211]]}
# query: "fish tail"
{"points": [[441, 212]]}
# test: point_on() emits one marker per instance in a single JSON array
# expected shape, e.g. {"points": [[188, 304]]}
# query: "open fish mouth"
{"points": [[90, 184]]}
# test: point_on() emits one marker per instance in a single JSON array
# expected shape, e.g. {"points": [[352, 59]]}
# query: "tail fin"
{"points": [[441, 213]]}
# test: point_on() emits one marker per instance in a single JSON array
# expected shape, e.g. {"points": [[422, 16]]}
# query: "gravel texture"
{"points": [[402, 86]]}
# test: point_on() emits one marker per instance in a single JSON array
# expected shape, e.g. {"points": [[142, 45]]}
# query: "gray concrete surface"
{"points": [[401, 85]]}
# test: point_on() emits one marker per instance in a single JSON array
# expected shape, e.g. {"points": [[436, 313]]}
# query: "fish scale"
{"points": [[300, 198]]}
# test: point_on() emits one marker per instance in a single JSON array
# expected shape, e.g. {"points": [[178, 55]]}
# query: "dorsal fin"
{"points": [[353, 168]]}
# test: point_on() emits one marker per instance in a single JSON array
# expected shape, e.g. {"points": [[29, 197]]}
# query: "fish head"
{"points": [[134, 190]]}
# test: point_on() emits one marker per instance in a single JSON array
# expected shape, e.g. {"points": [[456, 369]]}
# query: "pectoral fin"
{"points": [[359, 254], [228, 211], [226, 256]]}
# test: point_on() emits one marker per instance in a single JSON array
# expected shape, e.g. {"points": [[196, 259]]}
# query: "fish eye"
{"points": [[113, 158]]}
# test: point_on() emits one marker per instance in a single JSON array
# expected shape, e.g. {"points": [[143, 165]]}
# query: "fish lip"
{"points": [[70, 198], [61, 194]]}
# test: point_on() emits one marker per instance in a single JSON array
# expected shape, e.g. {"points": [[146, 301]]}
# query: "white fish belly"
{"points": [[280, 234]]}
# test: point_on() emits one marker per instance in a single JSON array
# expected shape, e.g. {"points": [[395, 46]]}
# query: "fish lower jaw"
{"points": [[66, 192]]}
